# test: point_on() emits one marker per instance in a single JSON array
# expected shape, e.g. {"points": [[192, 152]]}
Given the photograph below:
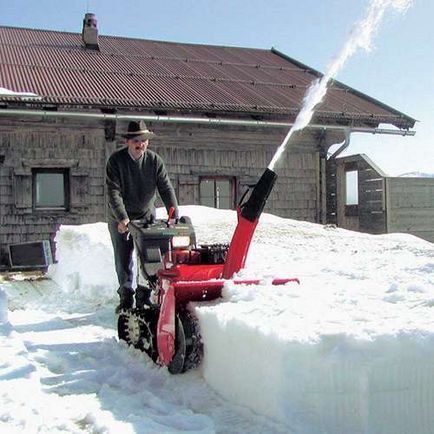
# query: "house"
{"points": [[363, 198], [219, 114]]}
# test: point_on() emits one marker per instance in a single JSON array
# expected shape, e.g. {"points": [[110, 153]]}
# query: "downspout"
{"points": [[334, 199], [344, 145]]}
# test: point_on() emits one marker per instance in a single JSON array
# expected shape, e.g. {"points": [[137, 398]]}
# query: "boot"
{"points": [[126, 296], [143, 295]]}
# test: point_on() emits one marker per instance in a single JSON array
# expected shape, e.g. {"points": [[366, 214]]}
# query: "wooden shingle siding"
{"points": [[30, 145], [22, 189], [372, 209], [242, 153], [331, 192]]}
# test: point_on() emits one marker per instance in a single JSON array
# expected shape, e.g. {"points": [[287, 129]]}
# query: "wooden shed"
{"points": [[362, 197], [219, 114]]}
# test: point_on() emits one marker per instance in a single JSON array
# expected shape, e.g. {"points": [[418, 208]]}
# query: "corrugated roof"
{"points": [[144, 74]]}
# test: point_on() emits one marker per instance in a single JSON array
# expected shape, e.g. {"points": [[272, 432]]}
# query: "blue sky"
{"points": [[399, 71]]}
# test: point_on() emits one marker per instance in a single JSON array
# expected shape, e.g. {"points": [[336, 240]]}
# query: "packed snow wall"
{"points": [[349, 350], [336, 385]]}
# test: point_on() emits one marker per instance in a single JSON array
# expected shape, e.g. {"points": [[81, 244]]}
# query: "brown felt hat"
{"points": [[138, 129]]}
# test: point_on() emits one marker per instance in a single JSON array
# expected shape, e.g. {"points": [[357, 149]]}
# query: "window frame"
{"points": [[354, 184], [351, 210], [65, 171]]}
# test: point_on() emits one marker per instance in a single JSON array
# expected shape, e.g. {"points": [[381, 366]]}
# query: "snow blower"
{"points": [[178, 272]]}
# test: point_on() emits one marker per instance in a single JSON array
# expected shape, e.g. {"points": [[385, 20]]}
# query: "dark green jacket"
{"points": [[132, 185]]}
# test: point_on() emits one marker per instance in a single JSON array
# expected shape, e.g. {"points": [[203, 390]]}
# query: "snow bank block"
{"points": [[337, 385], [85, 261], [349, 350]]}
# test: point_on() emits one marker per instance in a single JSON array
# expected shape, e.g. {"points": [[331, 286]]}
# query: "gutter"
{"points": [[197, 120], [342, 85]]}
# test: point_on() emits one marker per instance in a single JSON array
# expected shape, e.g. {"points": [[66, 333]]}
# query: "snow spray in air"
{"points": [[360, 37]]}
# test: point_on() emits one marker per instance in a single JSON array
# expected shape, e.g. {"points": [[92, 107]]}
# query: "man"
{"points": [[133, 176]]}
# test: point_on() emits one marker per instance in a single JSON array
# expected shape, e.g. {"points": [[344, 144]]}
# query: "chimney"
{"points": [[90, 32]]}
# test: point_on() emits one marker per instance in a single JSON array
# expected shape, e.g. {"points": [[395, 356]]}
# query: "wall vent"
{"points": [[36, 254]]}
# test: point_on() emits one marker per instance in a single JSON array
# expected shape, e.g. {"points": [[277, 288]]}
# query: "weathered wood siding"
{"points": [[26, 145], [372, 205], [190, 151], [410, 206], [386, 204], [331, 192]]}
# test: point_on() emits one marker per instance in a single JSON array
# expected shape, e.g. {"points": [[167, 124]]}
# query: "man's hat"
{"points": [[138, 129]]}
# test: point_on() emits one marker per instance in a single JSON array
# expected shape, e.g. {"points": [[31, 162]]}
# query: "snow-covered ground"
{"points": [[350, 350]]}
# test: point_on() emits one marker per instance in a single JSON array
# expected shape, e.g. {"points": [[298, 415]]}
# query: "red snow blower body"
{"points": [[178, 271]]}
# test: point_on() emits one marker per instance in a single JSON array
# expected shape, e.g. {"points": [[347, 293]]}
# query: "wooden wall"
{"points": [[410, 206], [27, 145], [190, 151], [370, 213], [331, 192], [386, 204]]}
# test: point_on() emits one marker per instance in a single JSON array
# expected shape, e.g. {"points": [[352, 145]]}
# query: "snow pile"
{"points": [[85, 261], [349, 350]]}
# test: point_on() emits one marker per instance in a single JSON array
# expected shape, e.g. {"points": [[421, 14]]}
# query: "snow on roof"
{"points": [[8, 92]]}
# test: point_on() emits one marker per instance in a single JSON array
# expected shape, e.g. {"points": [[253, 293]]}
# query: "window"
{"points": [[217, 192], [351, 188], [50, 189]]}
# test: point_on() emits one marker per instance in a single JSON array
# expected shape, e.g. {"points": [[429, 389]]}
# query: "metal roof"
{"points": [[148, 75]]}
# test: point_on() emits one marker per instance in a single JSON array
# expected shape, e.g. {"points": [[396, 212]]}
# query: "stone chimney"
{"points": [[90, 32]]}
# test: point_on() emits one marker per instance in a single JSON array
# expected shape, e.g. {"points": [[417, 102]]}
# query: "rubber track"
{"points": [[193, 340]]}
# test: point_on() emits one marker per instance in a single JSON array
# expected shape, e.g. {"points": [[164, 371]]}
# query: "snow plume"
{"points": [[360, 38]]}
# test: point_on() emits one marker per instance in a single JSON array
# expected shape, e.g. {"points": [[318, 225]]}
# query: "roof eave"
{"points": [[276, 113], [409, 121]]}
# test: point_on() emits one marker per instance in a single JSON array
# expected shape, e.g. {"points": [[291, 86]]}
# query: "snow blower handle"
{"points": [[171, 219]]}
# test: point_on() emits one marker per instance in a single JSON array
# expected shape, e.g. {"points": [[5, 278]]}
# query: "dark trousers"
{"points": [[123, 253]]}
